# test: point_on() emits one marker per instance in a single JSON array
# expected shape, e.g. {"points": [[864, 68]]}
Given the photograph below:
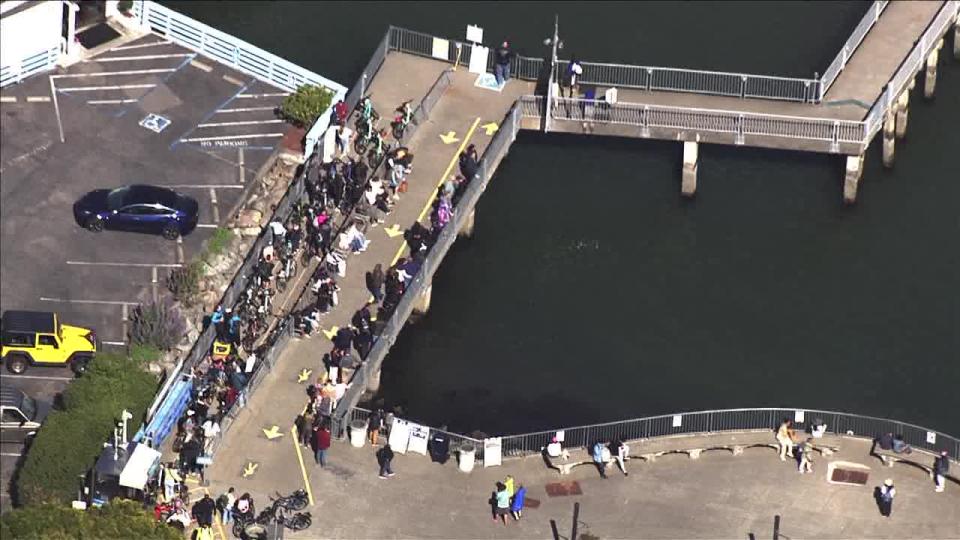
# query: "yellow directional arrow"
{"points": [[331, 332], [393, 231], [449, 137], [304, 375], [273, 432], [250, 469], [491, 127]]}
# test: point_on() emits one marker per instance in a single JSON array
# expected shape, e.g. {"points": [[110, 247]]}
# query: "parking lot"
{"points": [[88, 127]]}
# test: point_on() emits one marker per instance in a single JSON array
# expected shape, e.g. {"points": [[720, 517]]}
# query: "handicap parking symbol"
{"points": [[155, 122]]}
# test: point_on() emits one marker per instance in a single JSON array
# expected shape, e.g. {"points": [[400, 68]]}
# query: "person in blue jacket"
{"points": [[598, 458], [516, 505]]}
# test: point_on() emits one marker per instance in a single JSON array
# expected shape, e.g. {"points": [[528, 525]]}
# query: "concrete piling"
{"points": [[373, 382], [930, 80], [688, 186], [423, 303], [467, 230], [903, 110], [889, 142], [851, 180]]}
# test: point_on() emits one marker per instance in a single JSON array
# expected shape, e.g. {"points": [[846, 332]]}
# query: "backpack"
{"points": [[222, 502]]}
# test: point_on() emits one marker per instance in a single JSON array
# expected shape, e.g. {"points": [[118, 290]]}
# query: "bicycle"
{"points": [[402, 120]]}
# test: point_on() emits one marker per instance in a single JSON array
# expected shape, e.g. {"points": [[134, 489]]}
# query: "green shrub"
{"points": [[184, 283], [71, 439], [304, 106], [157, 324], [119, 519], [218, 241], [142, 355]]}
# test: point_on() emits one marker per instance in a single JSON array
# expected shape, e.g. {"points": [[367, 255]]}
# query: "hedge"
{"points": [[72, 437], [119, 519], [304, 106]]}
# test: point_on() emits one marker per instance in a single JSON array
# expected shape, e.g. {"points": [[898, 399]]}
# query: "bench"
{"points": [[911, 457], [694, 447]]}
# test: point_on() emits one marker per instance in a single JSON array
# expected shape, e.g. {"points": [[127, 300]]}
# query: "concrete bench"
{"points": [[694, 446], [914, 457]]}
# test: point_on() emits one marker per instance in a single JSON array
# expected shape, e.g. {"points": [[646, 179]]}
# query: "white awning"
{"points": [[137, 470]]}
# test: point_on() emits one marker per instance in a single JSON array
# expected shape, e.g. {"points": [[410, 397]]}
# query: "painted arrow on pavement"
{"points": [[250, 469], [304, 375], [491, 128], [449, 137], [393, 231], [273, 432], [331, 332]]}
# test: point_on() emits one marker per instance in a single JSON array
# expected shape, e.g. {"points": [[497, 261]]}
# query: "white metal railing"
{"points": [[850, 46], [716, 83], [32, 64], [911, 65]]}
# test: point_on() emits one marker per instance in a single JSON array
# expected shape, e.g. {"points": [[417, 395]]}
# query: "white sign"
{"points": [[560, 435], [478, 59], [399, 435], [441, 49], [419, 435], [492, 452], [677, 420], [931, 437], [798, 416], [474, 33]]}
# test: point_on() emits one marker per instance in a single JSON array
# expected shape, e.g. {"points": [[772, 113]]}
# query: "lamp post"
{"points": [[556, 44]]}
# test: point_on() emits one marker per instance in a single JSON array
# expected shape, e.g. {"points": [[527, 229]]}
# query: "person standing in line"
{"points": [[620, 451], [225, 504], [784, 439], [806, 457], [508, 482], [516, 506], [323, 443], [203, 511], [374, 425], [384, 457], [375, 281], [598, 459], [502, 58], [885, 499], [502, 503], [941, 466]]}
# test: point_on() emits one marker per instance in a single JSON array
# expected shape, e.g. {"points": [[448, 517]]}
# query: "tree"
{"points": [[119, 519], [306, 105]]}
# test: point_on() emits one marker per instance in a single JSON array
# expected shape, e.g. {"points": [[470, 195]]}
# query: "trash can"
{"points": [[467, 457], [358, 433]]}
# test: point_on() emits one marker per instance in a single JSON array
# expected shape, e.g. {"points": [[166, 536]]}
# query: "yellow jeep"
{"points": [[37, 338]]}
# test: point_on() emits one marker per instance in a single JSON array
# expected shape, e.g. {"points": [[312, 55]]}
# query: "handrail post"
{"points": [[743, 86]]}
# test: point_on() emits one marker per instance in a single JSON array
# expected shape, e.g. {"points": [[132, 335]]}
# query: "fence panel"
{"points": [[850, 46]]}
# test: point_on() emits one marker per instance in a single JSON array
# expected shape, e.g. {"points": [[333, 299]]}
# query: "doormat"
{"points": [[847, 473], [97, 35], [530, 502], [560, 489], [488, 82]]}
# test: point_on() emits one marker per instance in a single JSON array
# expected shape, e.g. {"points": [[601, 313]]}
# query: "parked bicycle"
{"points": [[402, 120]]}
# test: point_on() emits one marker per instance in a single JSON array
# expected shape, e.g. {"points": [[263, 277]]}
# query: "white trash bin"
{"points": [[358, 433], [467, 457]]}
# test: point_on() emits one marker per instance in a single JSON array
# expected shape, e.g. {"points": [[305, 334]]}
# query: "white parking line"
{"points": [[137, 265], [110, 101], [38, 99], [40, 377], [244, 109], [207, 225], [104, 302], [109, 73], [9, 454], [146, 57], [115, 343], [279, 94], [8, 99], [201, 66], [207, 186], [93, 88], [247, 123], [231, 80], [232, 137], [141, 46]]}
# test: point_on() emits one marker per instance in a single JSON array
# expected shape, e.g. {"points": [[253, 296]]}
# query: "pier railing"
{"points": [[494, 153], [732, 420], [33, 63], [911, 65], [869, 19]]}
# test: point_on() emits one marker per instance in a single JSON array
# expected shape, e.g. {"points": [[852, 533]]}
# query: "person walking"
{"points": [[598, 459], [384, 457], [941, 466], [885, 499], [225, 504], [620, 451], [203, 511], [806, 457], [502, 507], [323, 443], [516, 506], [502, 58], [375, 281], [784, 439]]}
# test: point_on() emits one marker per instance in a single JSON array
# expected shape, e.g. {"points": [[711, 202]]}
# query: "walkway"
{"points": [[717, 496]]}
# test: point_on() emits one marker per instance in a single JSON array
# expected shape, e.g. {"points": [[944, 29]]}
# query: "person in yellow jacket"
{"points": [[508, 481]]}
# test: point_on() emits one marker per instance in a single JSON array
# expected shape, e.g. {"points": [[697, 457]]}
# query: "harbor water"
{"points": [[592, 292]]}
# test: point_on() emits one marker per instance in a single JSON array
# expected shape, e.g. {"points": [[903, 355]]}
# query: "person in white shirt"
{"points": [[211, 428], [344, 135]]}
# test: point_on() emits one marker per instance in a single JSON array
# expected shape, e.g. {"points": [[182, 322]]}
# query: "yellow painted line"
{"points": [[303, 469]]}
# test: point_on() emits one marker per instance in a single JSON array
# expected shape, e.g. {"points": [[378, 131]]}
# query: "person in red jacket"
{"points": [[322, 444]]}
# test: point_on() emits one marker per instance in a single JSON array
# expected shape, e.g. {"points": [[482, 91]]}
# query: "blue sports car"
{"points": [[138, 208]]}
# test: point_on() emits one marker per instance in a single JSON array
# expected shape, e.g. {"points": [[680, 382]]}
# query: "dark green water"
{"points": [[591, 292]]}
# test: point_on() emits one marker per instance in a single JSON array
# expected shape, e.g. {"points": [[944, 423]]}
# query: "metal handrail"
{"points": [[869, 19]]}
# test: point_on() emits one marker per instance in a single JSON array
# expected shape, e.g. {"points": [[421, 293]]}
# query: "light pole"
{"points": [[556, 44]]}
